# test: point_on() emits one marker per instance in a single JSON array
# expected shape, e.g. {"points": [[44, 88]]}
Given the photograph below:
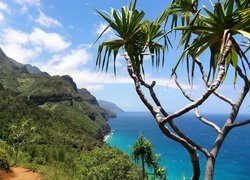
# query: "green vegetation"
{"points": [[143, 151], [4, 163], [106, 163], [50, 127], [21, 134], [223, 31]]}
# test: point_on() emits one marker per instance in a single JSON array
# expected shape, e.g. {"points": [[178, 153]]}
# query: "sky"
{"points": [[58, 35]]}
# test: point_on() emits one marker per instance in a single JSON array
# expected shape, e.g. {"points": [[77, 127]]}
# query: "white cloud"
{"points": [[35, 3], [108, 35], [53, 42], [1, 17], [24, 46], [71, 62], [47, 21], [68, 62], [19, 53], [12, 36], [94, 88], [13, 43], [101, 27], [27, 3], [4, 7]]}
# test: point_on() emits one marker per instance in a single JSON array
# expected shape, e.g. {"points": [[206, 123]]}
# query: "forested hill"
{"points": [[67, 120], [55, 94]]}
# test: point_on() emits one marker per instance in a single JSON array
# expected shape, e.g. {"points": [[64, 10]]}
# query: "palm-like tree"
{"points": [[142, 152], [159, 172], [202, 30], [134, 36], [215, 30]]}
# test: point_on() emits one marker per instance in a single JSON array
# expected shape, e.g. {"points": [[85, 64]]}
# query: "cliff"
{"points": [[110, 106], [56, 94]]}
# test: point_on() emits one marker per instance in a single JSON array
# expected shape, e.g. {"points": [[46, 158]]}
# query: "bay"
{"points": [[233, 159]]}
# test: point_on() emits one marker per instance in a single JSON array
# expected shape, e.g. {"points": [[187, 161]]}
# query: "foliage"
{"points": [[106, 163], [210, 31], [66, 123], [4, 163], [223, 31], [143, 151], [21, 134], [135, 36]]}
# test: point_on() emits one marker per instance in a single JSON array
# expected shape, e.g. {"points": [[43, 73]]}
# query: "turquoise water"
{"points": [[232, 162]]}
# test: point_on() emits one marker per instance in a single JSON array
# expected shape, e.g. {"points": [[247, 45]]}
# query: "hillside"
{"points": [[53, 93], [67, 122], [110, 106]]}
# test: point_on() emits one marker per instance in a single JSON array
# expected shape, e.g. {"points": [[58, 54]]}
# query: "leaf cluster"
{"points": [[135, 35], [205, 29]]}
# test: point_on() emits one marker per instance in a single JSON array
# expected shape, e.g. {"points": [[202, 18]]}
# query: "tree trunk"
{"points": [[209, 168], [195, 164], [143, 167]]}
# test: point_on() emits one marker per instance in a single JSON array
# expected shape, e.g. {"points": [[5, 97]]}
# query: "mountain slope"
{"points": [[110, 106], [56, 94], [67, 123]]}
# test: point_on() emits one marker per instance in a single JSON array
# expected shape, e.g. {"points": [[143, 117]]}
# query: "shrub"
{"points": [[105, 163], [4, 163]]}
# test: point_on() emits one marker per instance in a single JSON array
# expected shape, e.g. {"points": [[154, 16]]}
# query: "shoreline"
{"points": [[107, 136]]}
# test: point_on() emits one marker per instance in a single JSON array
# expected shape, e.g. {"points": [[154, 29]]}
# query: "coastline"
{"points": [[107, 136]]}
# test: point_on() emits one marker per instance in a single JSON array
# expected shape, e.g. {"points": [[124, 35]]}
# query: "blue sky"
{"points": [[57, 36]]}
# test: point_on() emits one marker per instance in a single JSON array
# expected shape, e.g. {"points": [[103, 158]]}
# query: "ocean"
{"points": [[233, 161]]}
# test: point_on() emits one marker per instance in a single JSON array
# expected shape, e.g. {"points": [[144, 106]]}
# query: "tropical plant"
{"points": [[142, 152], [216, 31]]}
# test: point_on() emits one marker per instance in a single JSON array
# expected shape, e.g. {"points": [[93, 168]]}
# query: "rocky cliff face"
{"points": [[105, 130], [87, 96], [70, 80]]}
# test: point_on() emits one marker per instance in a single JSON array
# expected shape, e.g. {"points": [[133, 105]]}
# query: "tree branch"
{"points": [[172, 124], [211, 88], [157, 115], [241, 123], [207, 122], [241, 97], [197, 114], [205, 79]]}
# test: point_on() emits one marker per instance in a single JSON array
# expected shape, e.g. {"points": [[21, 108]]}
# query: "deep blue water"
{"points": [[233, 162]]}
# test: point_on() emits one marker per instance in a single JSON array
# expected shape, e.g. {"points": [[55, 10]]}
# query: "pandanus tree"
{"points": [[143, 152], [216, 31]]}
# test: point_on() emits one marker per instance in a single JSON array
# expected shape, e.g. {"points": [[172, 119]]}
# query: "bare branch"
{"points": [[241, 97], [243, 76], [173, 126], [241, 123], [182, 89], [204, 77], [203, 98], [155, 113], [209, 123]]}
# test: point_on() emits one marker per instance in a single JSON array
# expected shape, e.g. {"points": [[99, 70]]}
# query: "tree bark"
{"points": [[156, 113], [209, 168], [143, 167], [195, 164]]}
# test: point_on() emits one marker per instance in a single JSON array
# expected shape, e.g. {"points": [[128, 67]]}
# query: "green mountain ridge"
{"points": [[69, 125], [51, 91]]}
